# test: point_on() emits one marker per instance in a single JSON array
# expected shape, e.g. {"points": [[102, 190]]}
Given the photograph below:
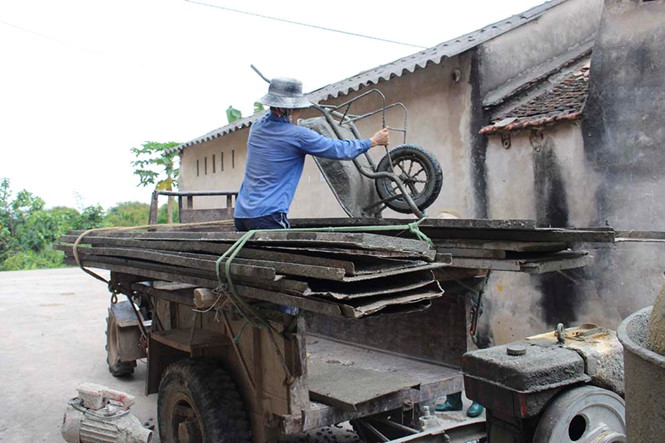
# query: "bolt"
{"points": [[516, 349]]}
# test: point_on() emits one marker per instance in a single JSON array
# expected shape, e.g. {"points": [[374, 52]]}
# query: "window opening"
{"points": [[214, 165]]}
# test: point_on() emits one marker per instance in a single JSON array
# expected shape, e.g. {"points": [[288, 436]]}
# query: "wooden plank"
{"points": [[507, 230], [536, 235], [180, 296], [558, 261], [404, 270], [308, 304], [501, 245], [216, 249], [237, 269], [366, 289], [346, 387], [429, 222], [350, 254], [555, 265], [250, 268], [469, 252], [176, 273], [355, 240], [432, 379], [375, 304], [259, 268]]}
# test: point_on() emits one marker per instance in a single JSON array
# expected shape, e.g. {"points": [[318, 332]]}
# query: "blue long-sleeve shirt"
{"points": [[276, 152]]}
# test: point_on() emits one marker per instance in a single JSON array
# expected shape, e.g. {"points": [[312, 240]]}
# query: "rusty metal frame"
{"points": [[327, 113]]}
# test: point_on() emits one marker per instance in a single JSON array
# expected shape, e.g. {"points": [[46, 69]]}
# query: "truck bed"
{"points": [[348, 380]]}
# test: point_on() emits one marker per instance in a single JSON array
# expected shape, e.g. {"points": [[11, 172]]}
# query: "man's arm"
{"points": [[315, 144]]}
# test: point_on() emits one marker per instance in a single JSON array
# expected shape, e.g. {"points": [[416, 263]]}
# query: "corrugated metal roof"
{"points": [[396, 68]]}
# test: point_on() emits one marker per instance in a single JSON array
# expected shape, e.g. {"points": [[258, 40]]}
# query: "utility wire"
{"points": [[73, 45], [305, 24]]}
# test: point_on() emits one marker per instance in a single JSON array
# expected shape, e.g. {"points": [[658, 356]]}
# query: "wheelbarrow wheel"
{"points": [[420, 172], [199, 402]]}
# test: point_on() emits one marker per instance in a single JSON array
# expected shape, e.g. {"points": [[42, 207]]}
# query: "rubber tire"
{"points": [[434, 178], [116, 367], [213, 396]]}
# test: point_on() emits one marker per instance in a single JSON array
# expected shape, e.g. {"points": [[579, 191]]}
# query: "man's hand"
{"points": [[380, 138]]}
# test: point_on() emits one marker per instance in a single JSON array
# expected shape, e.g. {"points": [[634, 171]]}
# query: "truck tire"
{"points": [[199, 402], [117, 368], [419, 170]]}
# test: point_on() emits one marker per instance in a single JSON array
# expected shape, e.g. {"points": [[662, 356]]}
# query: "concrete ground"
{"points": [[52, 338]]}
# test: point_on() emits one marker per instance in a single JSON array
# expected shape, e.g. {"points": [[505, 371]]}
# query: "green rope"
{"points": [[231, 253]]}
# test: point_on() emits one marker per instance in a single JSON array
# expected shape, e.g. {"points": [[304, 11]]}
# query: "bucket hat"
{"points": [[286, 93]]}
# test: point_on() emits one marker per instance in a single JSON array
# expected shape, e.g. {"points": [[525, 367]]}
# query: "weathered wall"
{"points": [[624, 125], [546, 170], [542, 176], [607, 172], [624, 135]]}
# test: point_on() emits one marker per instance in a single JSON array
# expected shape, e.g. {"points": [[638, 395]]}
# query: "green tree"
{"points": [[162, 214], [28, 230], [127, 214], [156, 165]]}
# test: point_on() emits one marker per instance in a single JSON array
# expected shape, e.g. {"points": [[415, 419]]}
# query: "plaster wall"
{"points": [[543, 175], [231, 150], [624, 134]]}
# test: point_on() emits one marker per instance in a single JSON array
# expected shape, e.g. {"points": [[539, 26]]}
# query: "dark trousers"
{"points": [[277, 220], [272, 221]]}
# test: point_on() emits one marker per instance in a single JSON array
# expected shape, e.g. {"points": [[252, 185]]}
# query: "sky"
{"points": [[84, 81]]}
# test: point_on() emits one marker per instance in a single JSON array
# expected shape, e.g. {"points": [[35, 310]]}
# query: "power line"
{"points": [[73, 45], [306, 24]]}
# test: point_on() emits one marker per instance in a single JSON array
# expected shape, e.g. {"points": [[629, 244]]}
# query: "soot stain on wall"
{"points": [[478, 142], [559, 298], [551, 200]]}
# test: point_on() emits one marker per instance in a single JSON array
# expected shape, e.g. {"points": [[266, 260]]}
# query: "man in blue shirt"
{"points": [[276, 151]]}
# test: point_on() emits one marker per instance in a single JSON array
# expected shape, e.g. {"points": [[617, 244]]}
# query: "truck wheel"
{"points": [[199, 402], [116, 367], [420, 172], [584, 414]]}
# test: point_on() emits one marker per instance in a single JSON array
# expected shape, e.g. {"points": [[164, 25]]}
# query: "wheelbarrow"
{"points": [[407, 179]]}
